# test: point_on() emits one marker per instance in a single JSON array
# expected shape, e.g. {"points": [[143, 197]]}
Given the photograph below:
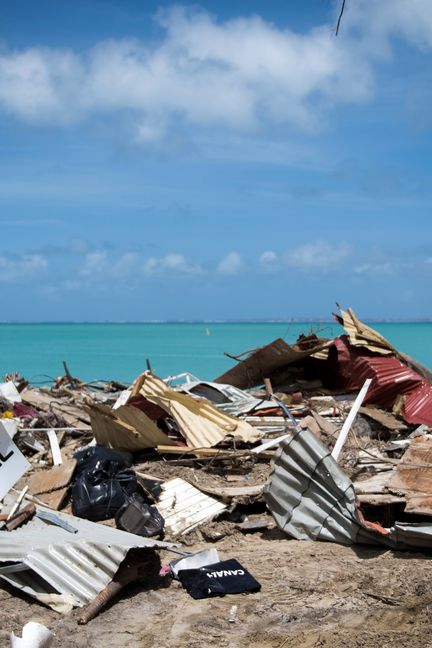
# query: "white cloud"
{"points": [[14, 269], [318, 255], [100, 265], [386, 268], [231, 264], [175, 263], [95, 263], [127, 264], [238, 73], [268, 259], [379, 20]]}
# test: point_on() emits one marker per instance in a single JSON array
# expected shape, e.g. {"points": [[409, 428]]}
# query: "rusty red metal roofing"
{"points": [[417, 407], [391, 378]]}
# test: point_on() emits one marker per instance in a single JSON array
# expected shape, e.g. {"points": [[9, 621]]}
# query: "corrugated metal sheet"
{"points": [[363, 336], [311, 498], [417, 406], [184, 507], [201, 423], [262, 362], [391, 378], [125, 428], [52, 560], [229, 399]]}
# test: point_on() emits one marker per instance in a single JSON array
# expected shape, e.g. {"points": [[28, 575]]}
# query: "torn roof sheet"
{"points": [[417, 405], [125, 428], [230, 399], [262, 362], [311, 498], [391, 378], [48, 560], [362, 335], [200, 423]]}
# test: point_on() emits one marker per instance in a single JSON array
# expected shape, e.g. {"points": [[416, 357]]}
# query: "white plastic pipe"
{"points": [[350, 419]]}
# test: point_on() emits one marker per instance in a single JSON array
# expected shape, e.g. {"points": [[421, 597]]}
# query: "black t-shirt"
{"points": [[225, 577]]}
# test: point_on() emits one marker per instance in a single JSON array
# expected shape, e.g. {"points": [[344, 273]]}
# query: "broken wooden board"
{"points": [[73, 415], [382, 417], [310, 423], [242, 494], [413, 476], [184, 507], [45, 481], [374, 461], [54, 499], [376, 484], [379, 499], [326, 426]]}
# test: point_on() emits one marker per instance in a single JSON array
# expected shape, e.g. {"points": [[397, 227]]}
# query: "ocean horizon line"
{"points": [[294, 320]]}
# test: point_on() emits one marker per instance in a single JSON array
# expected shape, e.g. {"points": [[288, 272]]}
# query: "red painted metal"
{"points": [[390, 379], [417, 407]]}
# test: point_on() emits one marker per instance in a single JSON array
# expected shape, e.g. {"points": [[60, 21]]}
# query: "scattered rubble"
{"points": [[98, 481]]}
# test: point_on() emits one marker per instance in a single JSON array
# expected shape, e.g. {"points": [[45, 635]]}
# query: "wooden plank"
{"points": [[378, 499], [45, 481], [55, 498], [382, 417], [228, 493], [326, 426], [375, 484]]}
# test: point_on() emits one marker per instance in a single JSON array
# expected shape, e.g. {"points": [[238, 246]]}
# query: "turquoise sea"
{"points": [[119, 351]]}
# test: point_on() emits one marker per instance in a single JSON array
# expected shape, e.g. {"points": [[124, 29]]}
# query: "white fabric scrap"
{"points": [[34, 635]]}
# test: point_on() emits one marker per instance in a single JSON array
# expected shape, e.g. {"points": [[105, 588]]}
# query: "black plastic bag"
{"points": [[89, 457], [102, 484], [136, 516]]}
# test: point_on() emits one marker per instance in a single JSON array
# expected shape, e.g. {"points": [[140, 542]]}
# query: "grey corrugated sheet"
{"points": [[78, 565], [311, 498], [239, 402]]}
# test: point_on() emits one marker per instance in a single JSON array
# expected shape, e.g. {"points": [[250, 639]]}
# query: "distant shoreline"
{"points": [[214, 322]]}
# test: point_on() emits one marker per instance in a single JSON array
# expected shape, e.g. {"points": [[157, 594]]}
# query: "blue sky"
{"points": [[214, 161]]}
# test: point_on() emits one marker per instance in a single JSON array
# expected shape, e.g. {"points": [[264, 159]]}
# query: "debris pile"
{"points": [[329, 439]]}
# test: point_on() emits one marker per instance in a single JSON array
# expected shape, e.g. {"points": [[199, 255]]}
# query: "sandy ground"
{"points": [[313, 594]]}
